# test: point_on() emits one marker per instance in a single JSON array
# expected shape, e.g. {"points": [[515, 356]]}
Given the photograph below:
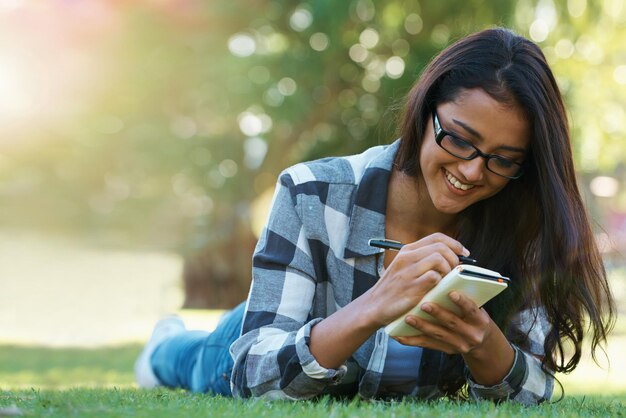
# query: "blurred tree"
{"points": [[205, 103]]}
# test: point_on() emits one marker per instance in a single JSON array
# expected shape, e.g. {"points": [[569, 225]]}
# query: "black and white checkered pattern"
{"points": [[313, 258]]}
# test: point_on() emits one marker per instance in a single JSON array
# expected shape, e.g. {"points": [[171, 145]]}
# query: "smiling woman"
{"points": [[501, 165], [501, 131], [483, 165], [536, 226]]}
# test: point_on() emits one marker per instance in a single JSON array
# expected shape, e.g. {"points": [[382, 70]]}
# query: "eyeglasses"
{"points": [[465, 150]]}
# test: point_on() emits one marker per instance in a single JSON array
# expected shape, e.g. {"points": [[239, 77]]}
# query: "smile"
{"points": [[456, 183]]}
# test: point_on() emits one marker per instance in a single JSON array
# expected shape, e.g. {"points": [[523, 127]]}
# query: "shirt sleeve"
{"points": [[527, 382], [272, 357]]}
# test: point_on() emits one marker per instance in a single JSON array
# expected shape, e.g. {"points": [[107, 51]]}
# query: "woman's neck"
{"points": [[411, 214]]}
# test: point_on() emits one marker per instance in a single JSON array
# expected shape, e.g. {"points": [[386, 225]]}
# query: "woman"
{"points": [[483, 166]]}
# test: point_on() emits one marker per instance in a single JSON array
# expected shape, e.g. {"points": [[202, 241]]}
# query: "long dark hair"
{"points": [[536, 229]]}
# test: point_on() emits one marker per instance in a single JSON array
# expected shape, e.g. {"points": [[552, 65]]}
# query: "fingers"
{"points": [[437, 243], [415, 270], [422, 264], [470, 314], [434, 256], [439, 238], [438, 336], [426, 341], [460, 333], [421, 271], [469, 310]]}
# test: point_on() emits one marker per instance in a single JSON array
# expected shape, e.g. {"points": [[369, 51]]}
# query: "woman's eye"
{"points": [[459, 143], [504, 162]]}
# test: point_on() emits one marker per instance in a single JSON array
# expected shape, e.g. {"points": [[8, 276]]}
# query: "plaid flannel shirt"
{"points": [[313, 258]]}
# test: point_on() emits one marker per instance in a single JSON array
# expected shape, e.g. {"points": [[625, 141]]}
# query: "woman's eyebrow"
{"points": [[469, 129], [475, 133], [513, 149]]}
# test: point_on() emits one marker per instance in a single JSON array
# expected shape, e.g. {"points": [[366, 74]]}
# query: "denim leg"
{"points": [[214, 367], [174, 359], [198, 360]]}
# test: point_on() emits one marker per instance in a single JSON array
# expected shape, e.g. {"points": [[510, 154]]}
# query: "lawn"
{"points": [[46, 382], [165, 403]]}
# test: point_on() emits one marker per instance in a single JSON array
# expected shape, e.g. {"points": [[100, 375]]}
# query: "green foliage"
{"points": [[203, 104]]}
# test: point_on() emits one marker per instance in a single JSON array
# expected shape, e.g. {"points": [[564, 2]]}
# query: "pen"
{"points": [[389, 244]]}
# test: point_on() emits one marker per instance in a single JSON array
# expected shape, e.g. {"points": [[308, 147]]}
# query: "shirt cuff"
{"points": [[309, 364], [509, 384]]}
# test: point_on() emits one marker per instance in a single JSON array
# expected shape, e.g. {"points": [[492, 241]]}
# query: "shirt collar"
{"points": [[367, 219]]}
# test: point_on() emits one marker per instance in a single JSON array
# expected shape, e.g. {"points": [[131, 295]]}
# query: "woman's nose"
{"points": [[473, 170]]}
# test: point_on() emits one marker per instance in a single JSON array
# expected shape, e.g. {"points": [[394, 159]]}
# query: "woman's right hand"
{"points": [[416, 269]]}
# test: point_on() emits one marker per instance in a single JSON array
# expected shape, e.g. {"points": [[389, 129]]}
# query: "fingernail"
{"points": [[410, 321], [454, 296], [465, 252], [427, 308]]}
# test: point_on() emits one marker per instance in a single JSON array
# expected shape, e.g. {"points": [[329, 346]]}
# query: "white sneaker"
{"points": [[165, 328]]}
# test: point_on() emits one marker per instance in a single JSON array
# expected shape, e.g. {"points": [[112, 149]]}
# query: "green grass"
{"points": [[48, 382], [53, 368], [167, 403]]}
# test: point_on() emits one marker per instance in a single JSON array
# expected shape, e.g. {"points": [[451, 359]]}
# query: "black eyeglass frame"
{"points": [[440, 133]]}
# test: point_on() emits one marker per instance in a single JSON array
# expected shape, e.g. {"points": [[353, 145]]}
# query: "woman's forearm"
{"points": [[413, 272], [490, 363], [337, 337]]}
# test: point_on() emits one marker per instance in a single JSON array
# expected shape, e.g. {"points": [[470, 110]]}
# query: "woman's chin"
{"points": [[450, 208]]}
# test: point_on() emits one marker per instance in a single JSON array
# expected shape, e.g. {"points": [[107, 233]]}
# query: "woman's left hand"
{"points": [[455, 334], [487, 353]]}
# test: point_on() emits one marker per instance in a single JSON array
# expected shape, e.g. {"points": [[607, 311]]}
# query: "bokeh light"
{"points": [[319, 41], [604, 186], [242, 45], [301, 19]]}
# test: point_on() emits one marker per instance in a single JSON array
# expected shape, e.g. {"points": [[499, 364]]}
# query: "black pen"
{"points": [[389, 244]]}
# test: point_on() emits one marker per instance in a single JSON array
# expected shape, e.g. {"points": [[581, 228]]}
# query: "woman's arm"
{"points": [[283, 353], [486, 351], [497, 369], [528, 382], [272, 357], [416, 269]]}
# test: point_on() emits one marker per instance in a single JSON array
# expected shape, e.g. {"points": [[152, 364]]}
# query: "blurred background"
{"points": [[140, 140]]}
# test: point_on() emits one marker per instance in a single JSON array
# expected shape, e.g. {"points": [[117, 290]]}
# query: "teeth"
{"points": [[456, 183]]}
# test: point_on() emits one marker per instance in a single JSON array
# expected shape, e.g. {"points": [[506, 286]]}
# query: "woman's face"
{"points": [[454, 184]]}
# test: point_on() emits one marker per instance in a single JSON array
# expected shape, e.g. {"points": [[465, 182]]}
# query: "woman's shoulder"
{"points": [[335, 170]]}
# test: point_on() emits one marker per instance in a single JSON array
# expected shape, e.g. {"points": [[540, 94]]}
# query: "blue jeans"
{"points": [[199, 360]]}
